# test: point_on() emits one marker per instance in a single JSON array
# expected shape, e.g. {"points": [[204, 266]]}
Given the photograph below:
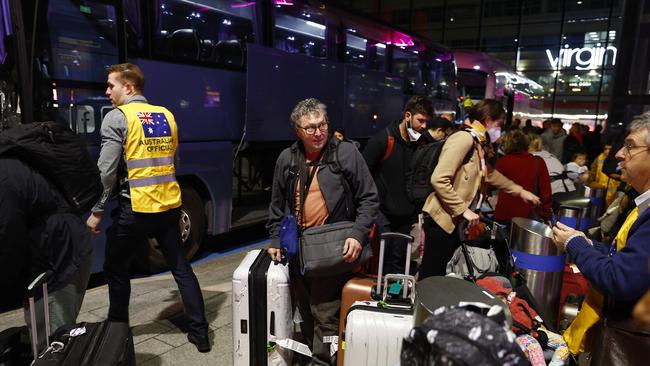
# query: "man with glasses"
{"points": [[310, 185], [388, 155], [619, 273]]}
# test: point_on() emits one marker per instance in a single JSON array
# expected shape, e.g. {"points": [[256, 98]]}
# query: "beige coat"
{"points": [[455, 185]]}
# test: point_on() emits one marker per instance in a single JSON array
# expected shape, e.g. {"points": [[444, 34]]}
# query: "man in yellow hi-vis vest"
{"points": [[602, 180], [139, 142], [619, 274]]}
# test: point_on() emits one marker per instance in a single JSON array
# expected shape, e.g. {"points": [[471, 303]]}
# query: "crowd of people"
{"points": [[325, 178], [527, 166]]}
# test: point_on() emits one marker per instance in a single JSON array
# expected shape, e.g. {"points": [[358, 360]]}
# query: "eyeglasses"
{"points": [[629, 147], [310, 130]]}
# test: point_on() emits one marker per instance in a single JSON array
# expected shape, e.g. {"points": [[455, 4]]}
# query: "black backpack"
{"points": [[418, 175], [60, 155]]}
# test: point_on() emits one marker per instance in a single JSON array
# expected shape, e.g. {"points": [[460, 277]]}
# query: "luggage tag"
{"points": [[395, 288], [295, 346]]}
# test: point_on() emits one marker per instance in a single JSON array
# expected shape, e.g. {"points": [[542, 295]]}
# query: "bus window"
{"points": [[298, 35], [440, 70], [82, 41], [205, 31], [76, 44], [406, 63], [377, 56], [472, 83], [355, 52], [366, 53]]}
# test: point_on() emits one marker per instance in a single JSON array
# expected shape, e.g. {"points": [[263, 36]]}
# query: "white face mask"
{"points": [[494, 133], [413, 134]]}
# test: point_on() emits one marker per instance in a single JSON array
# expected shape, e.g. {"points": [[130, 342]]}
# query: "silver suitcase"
{"points": [[261, 311], [375, 330]]}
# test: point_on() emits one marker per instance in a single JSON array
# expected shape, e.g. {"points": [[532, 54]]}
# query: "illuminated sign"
{"points": [[586, 58]]}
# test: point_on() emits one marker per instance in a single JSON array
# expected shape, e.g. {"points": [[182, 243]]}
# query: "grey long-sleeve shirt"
{"points": [[111, 157]]}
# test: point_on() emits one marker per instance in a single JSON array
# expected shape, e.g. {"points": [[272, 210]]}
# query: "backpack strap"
{"points": [[294, 176], [341, 172], [469, 154], [390, 142]]}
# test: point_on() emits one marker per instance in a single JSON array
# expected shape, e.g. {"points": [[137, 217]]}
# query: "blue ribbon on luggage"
{"points": [[289, 236], [535, 262]]}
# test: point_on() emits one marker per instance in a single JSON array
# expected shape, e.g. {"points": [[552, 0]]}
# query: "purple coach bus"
{"points": [[230, 71]]}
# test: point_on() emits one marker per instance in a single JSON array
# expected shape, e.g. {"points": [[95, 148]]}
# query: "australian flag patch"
{"points": [[154, 124]]}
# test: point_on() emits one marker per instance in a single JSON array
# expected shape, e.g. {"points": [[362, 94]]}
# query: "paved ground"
{"points": [[156, 314]]}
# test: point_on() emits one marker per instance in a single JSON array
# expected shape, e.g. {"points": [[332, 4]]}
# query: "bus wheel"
{"points": [[192, 227]]}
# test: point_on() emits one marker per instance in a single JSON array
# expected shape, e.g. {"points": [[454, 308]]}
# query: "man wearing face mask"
{"points": [[388, 155]]}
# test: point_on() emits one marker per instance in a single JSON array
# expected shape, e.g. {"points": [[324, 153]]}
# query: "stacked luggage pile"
{"points": [[496, 301]]}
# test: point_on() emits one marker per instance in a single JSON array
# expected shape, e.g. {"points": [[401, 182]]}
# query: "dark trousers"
{"points": [[439, 247], [395, 252], [130, 230], [319, 303]]}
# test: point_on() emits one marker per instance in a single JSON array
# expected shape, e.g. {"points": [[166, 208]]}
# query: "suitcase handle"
{"points": [[382, 248], [40, 280], [408, 281]]}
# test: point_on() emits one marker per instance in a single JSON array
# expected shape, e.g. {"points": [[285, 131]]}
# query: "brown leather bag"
{"points": [[621, 342]]}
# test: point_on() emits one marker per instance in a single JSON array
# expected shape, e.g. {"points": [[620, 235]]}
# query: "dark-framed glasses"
{"points": [[310, 130], [629, 147]]}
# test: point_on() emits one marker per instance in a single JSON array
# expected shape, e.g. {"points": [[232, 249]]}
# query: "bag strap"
{"points": [[562, 176], [533, 213], [536, 188], [390, 142], [305, 187]]}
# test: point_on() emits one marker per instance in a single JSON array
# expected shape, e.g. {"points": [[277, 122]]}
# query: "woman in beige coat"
{"points": [[459, 181]]}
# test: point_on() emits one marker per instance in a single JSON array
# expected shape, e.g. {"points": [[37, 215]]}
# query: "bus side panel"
{"points": [[277, 81], [369, 94], [211, 163], [208, 103]]}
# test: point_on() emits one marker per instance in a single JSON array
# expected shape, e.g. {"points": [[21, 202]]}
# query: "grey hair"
{"points": [[307, 107], [642, 122]]}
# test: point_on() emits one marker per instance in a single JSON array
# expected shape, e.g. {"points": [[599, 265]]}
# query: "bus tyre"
{"points": [[192, 227]]}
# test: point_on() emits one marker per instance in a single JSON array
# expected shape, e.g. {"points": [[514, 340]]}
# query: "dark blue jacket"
{"points": [[623, 277]]}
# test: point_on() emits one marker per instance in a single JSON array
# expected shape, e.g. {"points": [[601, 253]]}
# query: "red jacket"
{"points": [[520, 168]]}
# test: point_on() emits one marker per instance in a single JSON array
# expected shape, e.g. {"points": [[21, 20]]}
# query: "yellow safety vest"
{"points": [[151, 143], [592, 308], [602, 181]]}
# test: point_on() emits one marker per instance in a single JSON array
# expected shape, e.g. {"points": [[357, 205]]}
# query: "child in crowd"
{"points": [[577, 169]]}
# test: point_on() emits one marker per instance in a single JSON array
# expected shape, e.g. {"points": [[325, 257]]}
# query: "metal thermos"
{"points": [[540, 261]]}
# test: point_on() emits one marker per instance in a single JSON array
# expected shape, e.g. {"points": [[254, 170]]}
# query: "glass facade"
{"points": [[569, 47]]}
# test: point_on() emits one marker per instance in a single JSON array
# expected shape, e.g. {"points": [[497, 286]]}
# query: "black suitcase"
{"points": [[83, 344]]}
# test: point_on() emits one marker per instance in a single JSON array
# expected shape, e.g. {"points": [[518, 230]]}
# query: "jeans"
{"points": [[130, 229]]}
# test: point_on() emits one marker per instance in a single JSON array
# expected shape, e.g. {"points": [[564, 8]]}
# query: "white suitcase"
{"points": [[261, 295], [374, 334]]}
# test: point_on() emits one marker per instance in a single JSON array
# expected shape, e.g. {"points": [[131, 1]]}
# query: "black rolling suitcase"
{"points": [[105, 343]]}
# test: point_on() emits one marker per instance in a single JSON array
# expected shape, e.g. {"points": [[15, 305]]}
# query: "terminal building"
{"points": [[569, 47]]}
